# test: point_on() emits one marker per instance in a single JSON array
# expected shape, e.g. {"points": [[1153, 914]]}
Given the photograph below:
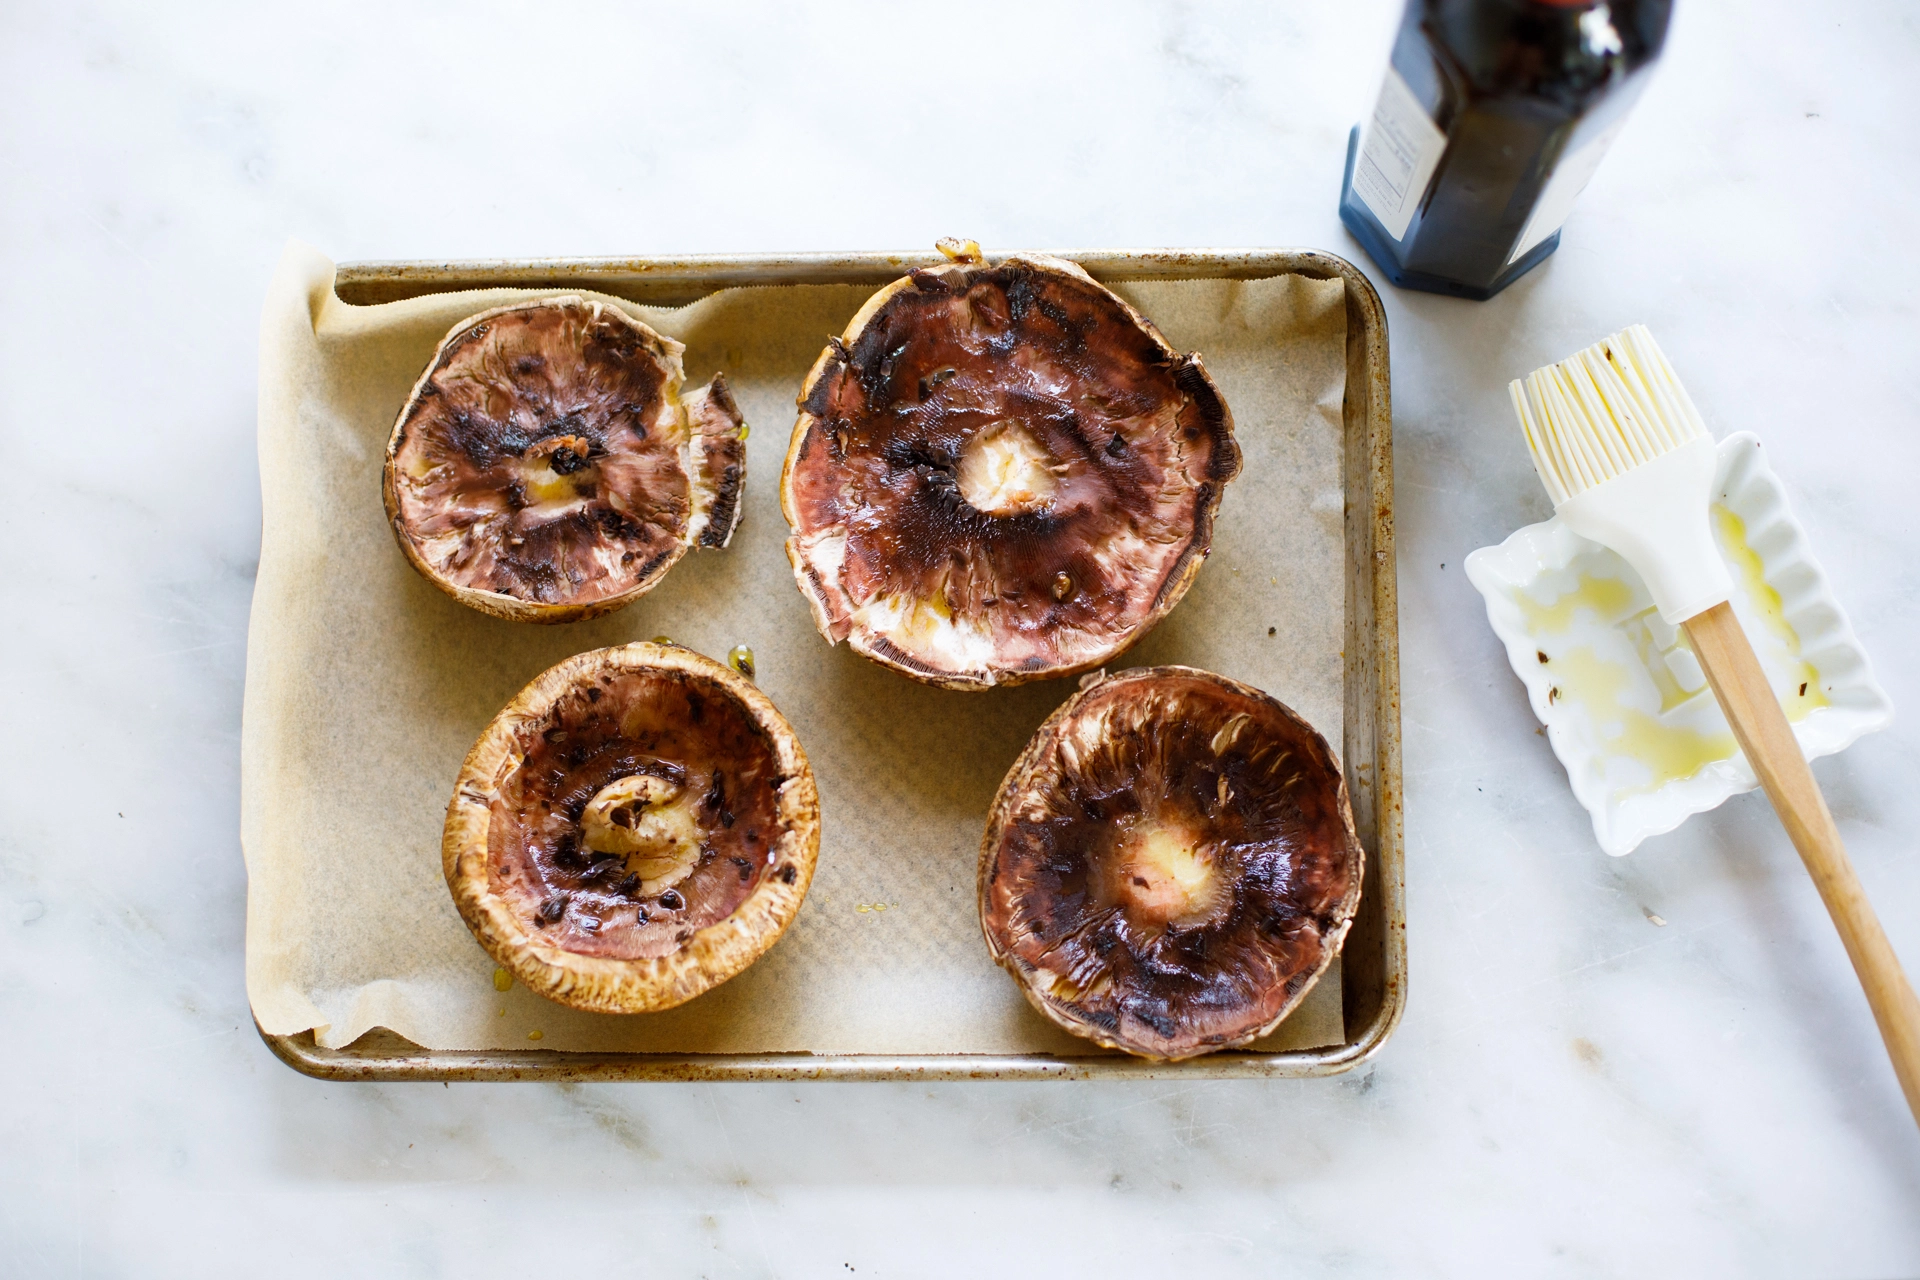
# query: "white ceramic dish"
{"points": [[1626, 707]]}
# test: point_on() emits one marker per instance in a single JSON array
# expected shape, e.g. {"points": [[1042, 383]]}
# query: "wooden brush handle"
{"points": [[1760, 726]]}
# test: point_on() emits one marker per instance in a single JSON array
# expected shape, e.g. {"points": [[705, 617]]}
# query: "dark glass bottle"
{"points": [[1493, 115]]}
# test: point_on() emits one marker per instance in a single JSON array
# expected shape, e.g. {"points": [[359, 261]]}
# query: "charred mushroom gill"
{"points": [[1171, 864], [547, 467], [638, 825], [1001, 473]]}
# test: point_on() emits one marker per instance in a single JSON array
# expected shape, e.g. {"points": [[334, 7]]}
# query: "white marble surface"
{"points": [[1575, 1091]]}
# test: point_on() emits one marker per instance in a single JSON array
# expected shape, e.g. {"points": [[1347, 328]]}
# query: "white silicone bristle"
{"points": [[1602, 412]]}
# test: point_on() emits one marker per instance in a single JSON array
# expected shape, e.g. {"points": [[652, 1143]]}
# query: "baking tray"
{"points": [[1374, 960]]}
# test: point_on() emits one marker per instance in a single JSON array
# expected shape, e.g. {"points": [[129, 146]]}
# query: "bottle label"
{"points": [[1397, 156], [1556, 199]]}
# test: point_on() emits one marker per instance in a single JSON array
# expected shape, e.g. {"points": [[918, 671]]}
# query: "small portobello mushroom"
{"points": [[638, 825], [1171, 864], [1001, 473], [548, 468]]}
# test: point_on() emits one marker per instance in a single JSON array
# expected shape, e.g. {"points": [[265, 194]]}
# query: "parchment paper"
{"points": [[366, 687]]}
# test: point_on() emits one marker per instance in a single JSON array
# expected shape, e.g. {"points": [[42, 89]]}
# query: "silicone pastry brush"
{"points": [[1629, 464]]}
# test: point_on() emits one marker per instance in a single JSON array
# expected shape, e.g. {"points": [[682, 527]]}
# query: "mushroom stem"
{"points": [[648, 822], [1166, 875], [961, 251]]}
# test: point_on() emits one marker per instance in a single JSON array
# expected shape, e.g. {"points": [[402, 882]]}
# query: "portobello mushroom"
{"points": [[547, 467], [1001, 473], [637, 826], [1171, 863]]}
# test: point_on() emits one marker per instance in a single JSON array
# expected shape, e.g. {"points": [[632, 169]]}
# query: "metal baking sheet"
{"points": [[1374, 957]]}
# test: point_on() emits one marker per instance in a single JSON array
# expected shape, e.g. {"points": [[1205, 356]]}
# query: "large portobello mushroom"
{"points": [[638, 825], [1001, 473], [1171, 864], [547, 467]]}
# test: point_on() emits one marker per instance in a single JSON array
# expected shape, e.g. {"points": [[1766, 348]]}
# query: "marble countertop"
{"points": [[1575, 1090]]}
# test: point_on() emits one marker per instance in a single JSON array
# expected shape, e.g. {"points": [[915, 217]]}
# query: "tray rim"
{"points": [[1375, 784]]}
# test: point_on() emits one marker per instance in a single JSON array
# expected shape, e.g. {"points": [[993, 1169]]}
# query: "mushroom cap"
{"points": [[547, 468], [607, 932], [1001, 474], [1171, 863]]}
